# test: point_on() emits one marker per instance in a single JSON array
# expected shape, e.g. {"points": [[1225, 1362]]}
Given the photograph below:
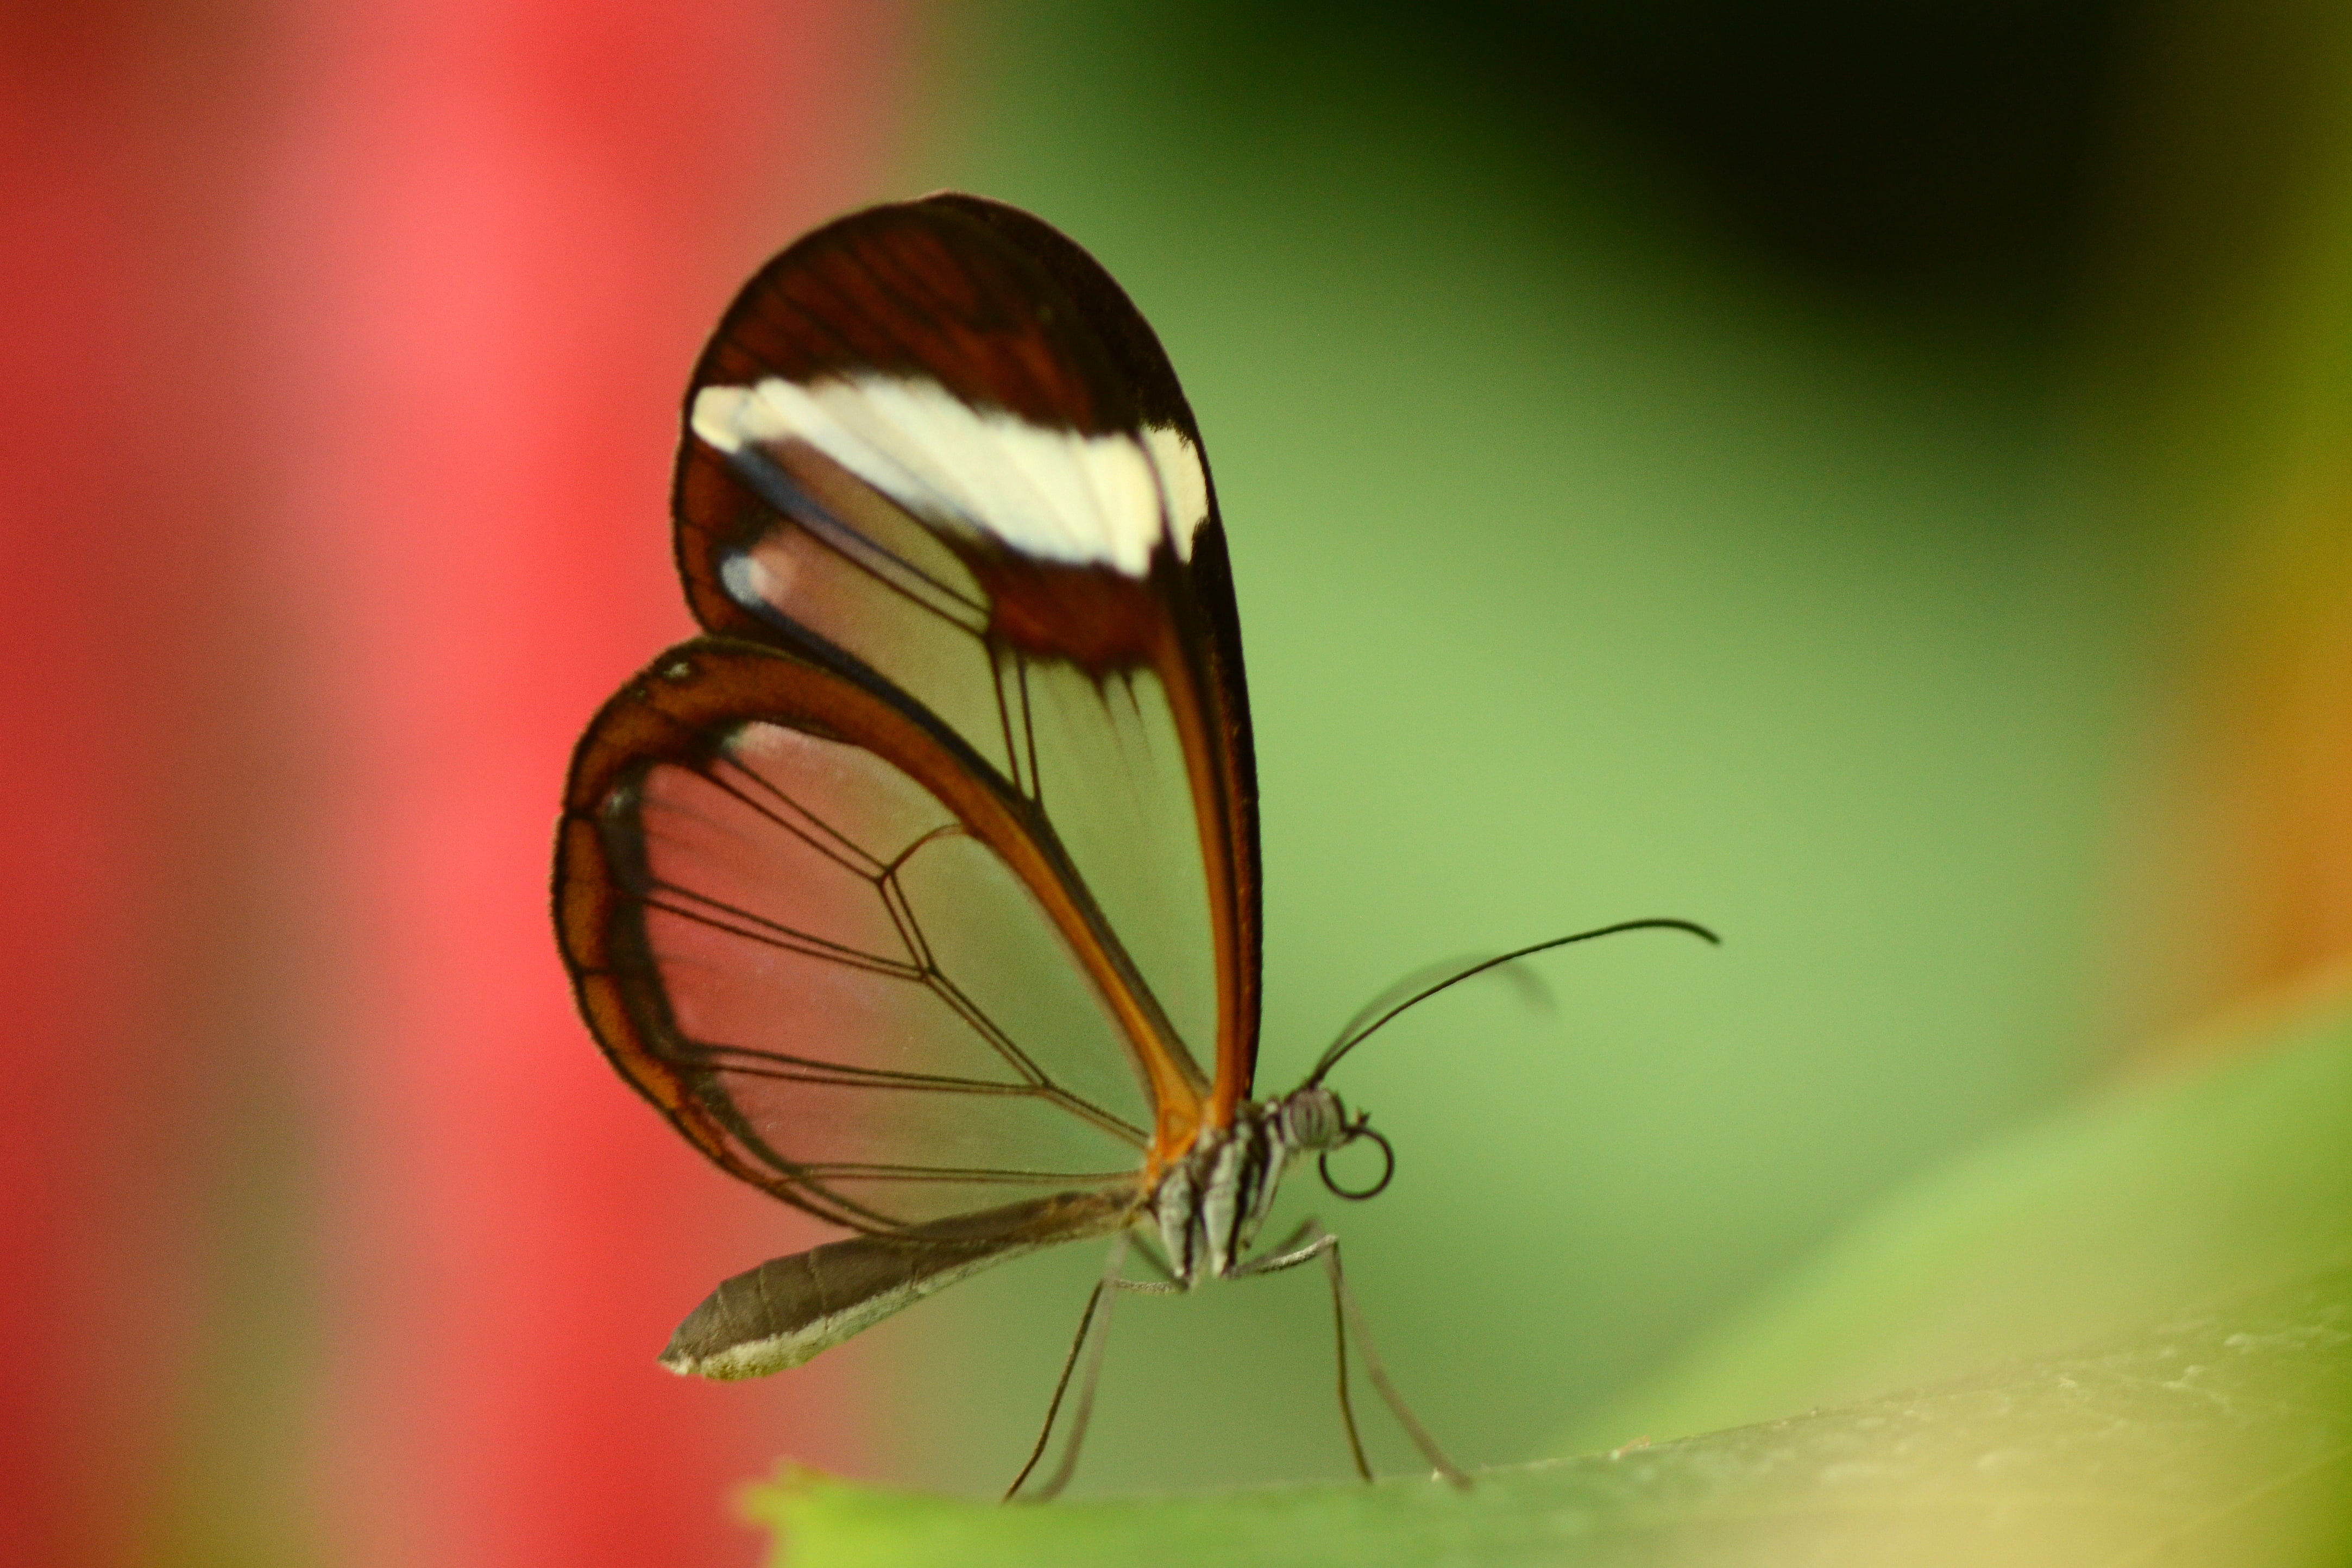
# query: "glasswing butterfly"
{"points": [[909, 890]]}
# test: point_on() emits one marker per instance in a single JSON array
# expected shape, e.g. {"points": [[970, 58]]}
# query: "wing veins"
{"points": [[902, 911], [947, 991], [847, 1075], [1076, 1104], [1087, 1110], [871, 870], [902, 915], [883, 1172], [841, 1075], [999, 657], [786, 498], [815, 1196], [783, 937], [1029, 732]]}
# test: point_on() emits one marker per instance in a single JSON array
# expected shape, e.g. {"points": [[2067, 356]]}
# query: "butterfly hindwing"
{"points": [[824, 958]]}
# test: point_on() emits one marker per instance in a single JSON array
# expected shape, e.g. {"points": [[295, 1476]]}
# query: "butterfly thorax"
{"points": [[1209, 1205]]}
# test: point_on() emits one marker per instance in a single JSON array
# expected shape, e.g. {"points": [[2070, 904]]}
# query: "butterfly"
{"points": [[922, 890]]}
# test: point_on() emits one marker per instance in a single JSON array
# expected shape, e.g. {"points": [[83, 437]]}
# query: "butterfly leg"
{"points": [[1061, 1386], [1290, 1255], [1346, 1313], [1099, 1298], [1158, 1265]]}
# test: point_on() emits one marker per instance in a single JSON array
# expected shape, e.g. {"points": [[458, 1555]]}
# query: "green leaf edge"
{"points": [[2227, 1176]]}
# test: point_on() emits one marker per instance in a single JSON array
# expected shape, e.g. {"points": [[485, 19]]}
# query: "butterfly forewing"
{"points": [[934, 448]]}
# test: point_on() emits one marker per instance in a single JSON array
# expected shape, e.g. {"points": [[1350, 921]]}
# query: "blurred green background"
{"points": [[1683, 466]]}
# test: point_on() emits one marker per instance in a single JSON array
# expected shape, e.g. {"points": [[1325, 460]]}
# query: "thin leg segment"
{"points": [[1156, 1263], [1347, 1408], [1354, 1314], [1100, 1298], [1061, 1386], [1346, 1314]]}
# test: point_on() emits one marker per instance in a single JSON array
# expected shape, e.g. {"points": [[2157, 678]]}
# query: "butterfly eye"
{"points": [[1313, 1118]]}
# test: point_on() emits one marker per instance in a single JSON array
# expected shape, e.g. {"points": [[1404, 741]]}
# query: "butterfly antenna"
{"points": [[1352, 1037]]}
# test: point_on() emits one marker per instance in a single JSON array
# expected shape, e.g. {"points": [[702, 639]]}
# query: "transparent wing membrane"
{"points": [[1102, 755], [864, 1007], [1110, 773], [828, 563], [935, 447], [926, 884]]}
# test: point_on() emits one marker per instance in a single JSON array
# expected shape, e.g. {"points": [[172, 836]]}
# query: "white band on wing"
{"points": [[1088, 500], [1183, 484]]}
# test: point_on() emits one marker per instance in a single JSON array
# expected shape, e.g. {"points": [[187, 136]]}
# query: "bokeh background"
{"points": [[1875, 479]]}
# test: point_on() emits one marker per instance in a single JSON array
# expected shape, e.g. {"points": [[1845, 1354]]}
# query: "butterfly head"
{"points": [[1312, 1119]]}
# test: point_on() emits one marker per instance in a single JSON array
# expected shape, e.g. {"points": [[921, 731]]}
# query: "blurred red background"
{"points": [[340, 380]]}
